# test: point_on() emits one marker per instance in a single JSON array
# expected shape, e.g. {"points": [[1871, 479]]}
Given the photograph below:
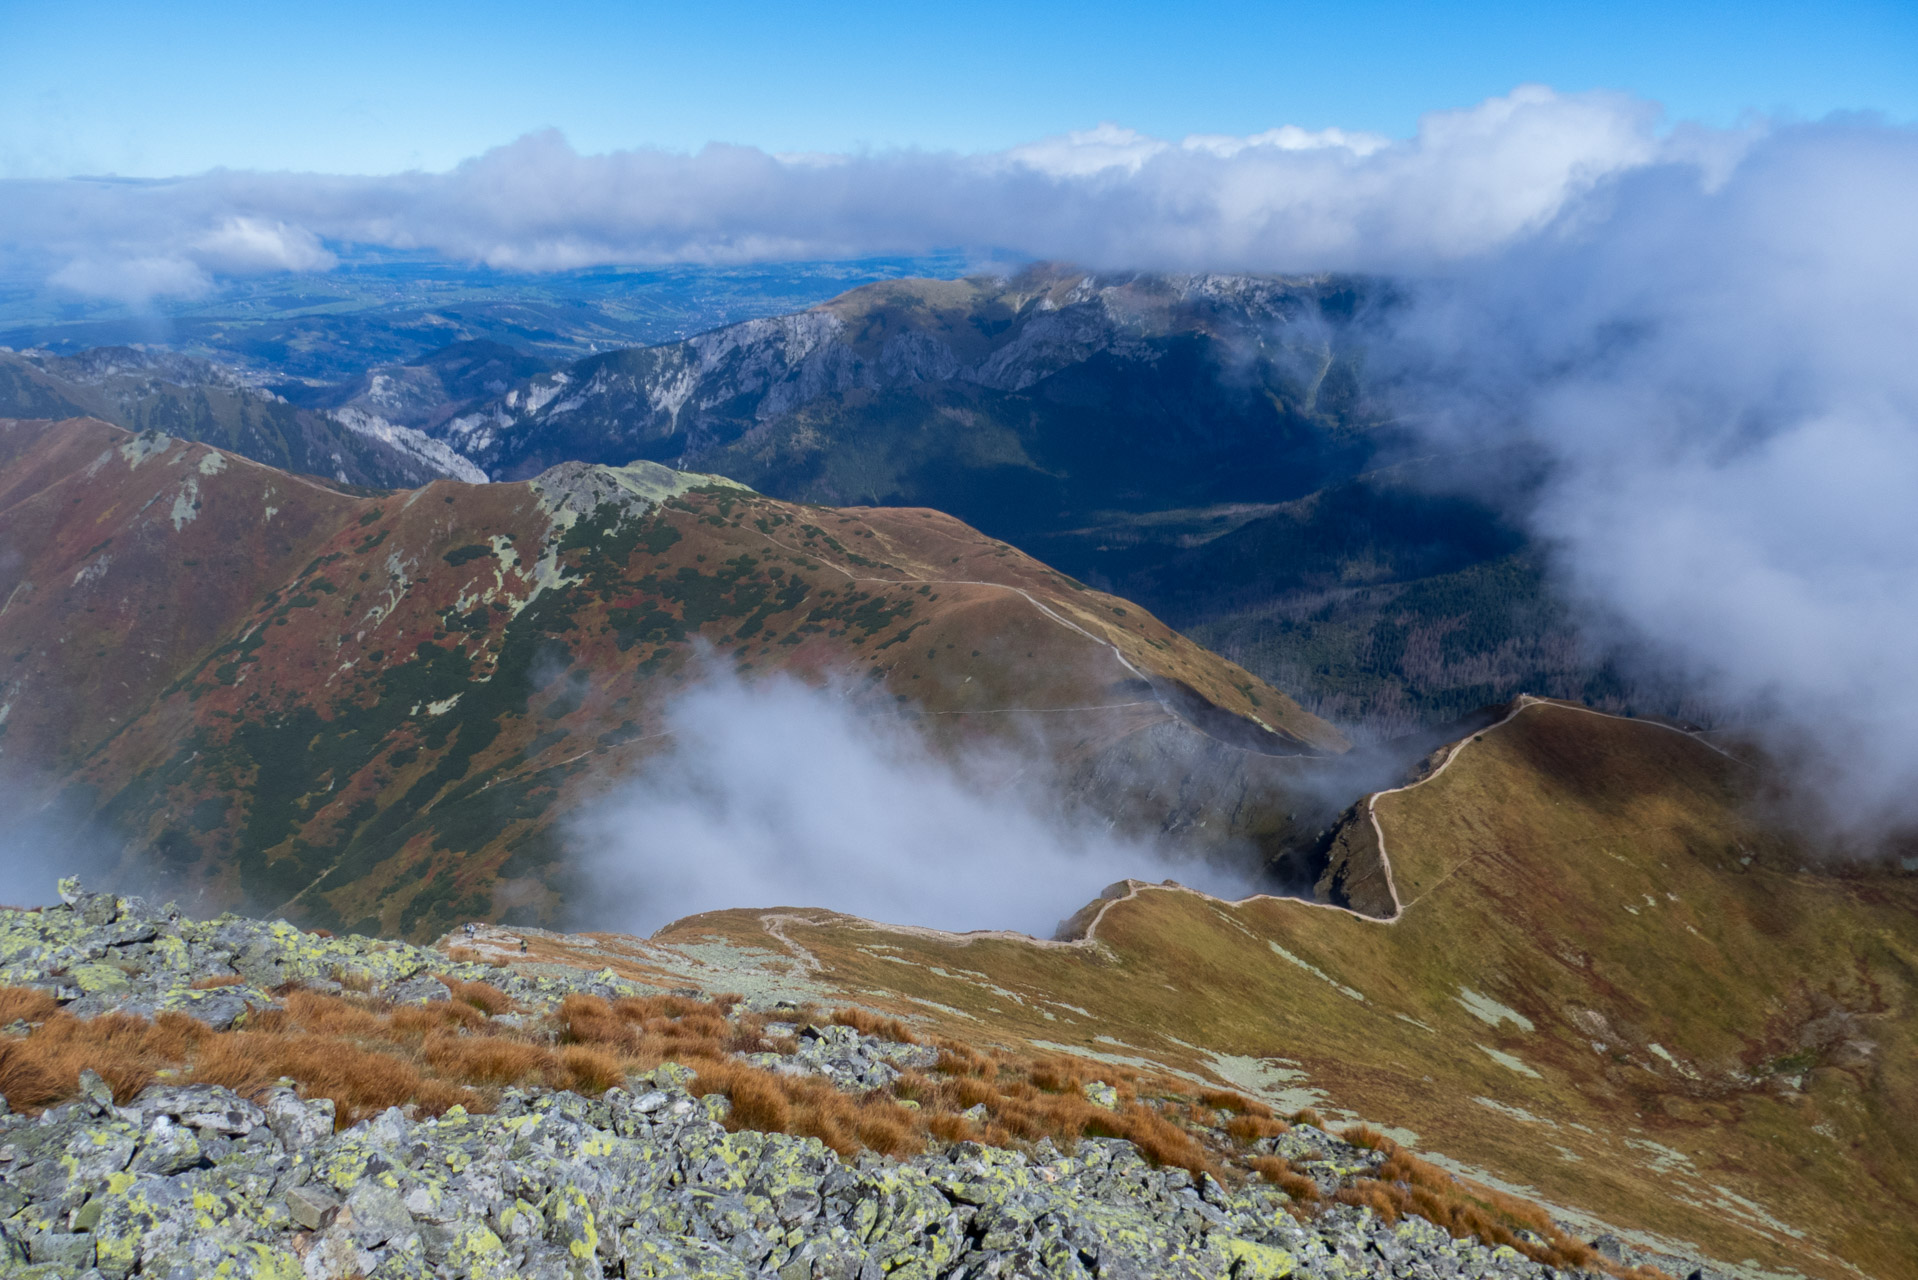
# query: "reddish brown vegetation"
{"points": [[363, 1054], [1246, 1130], [226, 980], [872, 1024], [1279, 1172], [1222, 1100], [1406, 1184], [367, 1056], [484, 996], [44, 1067], [25, 1004], [810, 1107], [1364, 1135]]}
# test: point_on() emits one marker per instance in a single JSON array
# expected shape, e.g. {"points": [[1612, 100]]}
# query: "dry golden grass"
{"points": [[367, 1056], [483, 996], [1224, 1100], [1246, 1130], [872, 1024], [810, 1107], [437, 1097], [1364, 1135], [361, 1082], [44, 1067], [1277, 1171], [25, 1004], [589, 1070], [226, 980], [487, 1059], [1406, 1184], [424, 1019]]}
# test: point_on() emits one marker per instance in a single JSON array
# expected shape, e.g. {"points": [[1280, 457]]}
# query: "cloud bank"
{"points": [[1286, 200], [1720, 372], [778, 794]]}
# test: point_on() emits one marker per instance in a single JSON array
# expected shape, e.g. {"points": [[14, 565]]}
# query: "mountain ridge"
{"points": [[144, 390], [453, 666]]}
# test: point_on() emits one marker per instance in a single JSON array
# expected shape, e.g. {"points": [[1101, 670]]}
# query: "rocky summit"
{"points": [[653, 1175]]}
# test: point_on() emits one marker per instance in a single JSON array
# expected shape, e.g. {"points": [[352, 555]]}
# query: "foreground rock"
{"points": [[97, 953], [647, 1180], [643, 1182]]}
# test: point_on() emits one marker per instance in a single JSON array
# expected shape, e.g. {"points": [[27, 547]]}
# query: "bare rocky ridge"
{"points": [[147, 390]]}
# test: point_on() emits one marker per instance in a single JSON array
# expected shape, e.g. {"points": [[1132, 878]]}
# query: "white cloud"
{"points": [[1283, 199], [1715, 362], [249, 246], [132, 279], [777, 794]]}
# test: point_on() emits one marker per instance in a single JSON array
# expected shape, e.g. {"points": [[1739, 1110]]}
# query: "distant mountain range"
{"points": [[1206, 445], [195, 399]]}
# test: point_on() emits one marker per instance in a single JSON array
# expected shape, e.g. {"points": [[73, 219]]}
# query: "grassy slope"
{"points": [[1581, 872], [369, 709]]}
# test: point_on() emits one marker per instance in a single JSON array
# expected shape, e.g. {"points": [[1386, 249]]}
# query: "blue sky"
{"points": [[153, 90]]}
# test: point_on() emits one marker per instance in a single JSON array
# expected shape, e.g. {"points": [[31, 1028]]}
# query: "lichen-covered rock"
{"points": [[641, 1182], [97, 953], [193, 1180]]}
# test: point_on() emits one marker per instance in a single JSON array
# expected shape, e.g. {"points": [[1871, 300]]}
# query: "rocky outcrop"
{"points": [[97, 953], [644, 1180]]}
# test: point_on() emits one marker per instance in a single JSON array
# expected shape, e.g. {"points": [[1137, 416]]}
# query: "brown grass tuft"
{"points": [[1309, 1116], [948, 1127], [1376, 1196], [437, 1097], [360, 1082], [1407, 1184], [25, 1004], [1246, 1129], [1055, 1076], [1276, 1170], [43, 1068], [487, 1059], [1364, 1135], [416, 1020], [483, 996], [590, 1070], [1226, 1100], [872, 1024], [322, 1014], [223, 980], [956, 1059], [758, 1100]]}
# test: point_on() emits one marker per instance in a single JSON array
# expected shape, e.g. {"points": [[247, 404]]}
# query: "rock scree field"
{"points": [[242, 1099]]}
